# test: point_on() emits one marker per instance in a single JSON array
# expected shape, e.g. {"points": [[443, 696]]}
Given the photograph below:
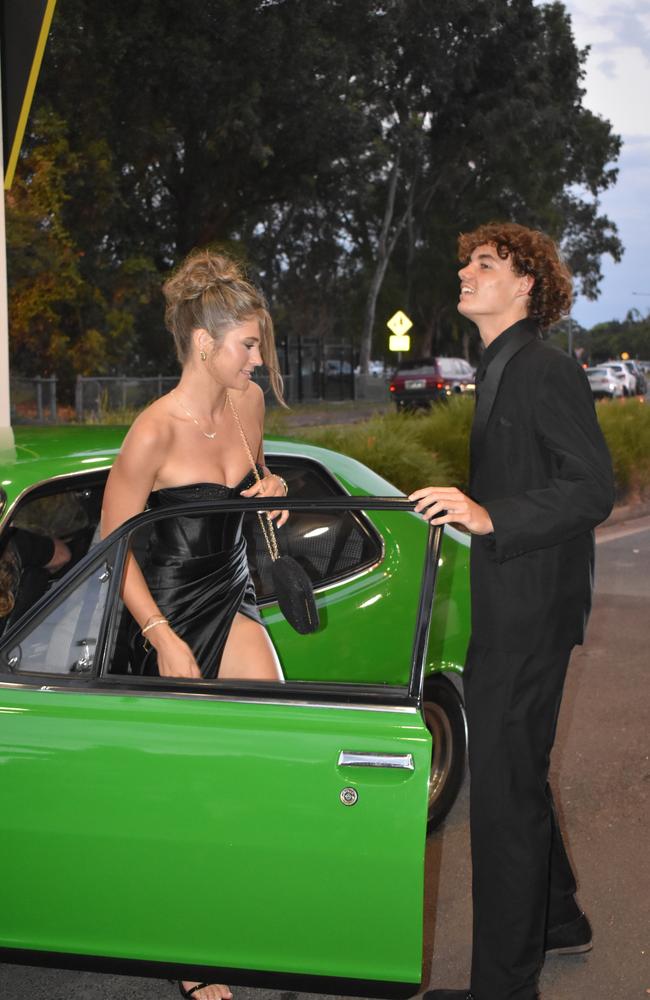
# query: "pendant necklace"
{"points": [[211, 436]]}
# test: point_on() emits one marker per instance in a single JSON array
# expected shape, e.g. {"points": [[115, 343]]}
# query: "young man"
{"points": [[540, 481]]}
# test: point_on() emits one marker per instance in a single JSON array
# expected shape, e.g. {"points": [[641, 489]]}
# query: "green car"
{"points": [[231, 831]]}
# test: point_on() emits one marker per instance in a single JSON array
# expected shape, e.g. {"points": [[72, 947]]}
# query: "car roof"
{"points": [[41, 453]]}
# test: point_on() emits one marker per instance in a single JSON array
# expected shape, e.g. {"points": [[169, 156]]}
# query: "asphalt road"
{"points": [[601, 776]]}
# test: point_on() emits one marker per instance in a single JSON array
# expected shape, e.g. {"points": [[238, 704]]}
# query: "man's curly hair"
{"points": [[531, 252]]}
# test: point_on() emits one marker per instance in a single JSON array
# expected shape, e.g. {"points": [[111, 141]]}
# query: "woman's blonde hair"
{"points": [[209, 291]]}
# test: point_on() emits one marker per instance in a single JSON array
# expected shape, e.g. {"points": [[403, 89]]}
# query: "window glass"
{"points": [[448, 367], [67, 510], [328, 546], [64, 641]]}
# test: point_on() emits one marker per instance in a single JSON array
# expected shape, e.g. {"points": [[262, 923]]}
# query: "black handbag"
{"points": [[295, 593], [293, 588]]}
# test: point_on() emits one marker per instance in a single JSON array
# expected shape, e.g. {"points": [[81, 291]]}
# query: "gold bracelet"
{"points": [[284, 483], [149, 625]]}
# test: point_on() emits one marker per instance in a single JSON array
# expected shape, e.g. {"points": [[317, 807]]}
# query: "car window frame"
{"points": [[98, 680]]}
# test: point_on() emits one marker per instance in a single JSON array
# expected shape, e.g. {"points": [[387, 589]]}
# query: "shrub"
{"points": [[626, 426], [385, 444]]}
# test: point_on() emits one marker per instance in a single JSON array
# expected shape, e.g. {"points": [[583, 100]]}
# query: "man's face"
{"points": [[490, 287]]}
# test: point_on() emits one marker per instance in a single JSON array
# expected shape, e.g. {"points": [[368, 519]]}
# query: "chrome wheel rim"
{"points": [[441, 751]]}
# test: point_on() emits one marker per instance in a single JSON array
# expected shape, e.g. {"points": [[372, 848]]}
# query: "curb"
{"points": [[626, 512]]}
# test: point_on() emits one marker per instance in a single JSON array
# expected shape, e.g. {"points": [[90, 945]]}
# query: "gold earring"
{"points": [[203, 355]]}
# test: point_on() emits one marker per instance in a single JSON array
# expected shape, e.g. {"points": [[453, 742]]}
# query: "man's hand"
{"points": [[447, 505]]}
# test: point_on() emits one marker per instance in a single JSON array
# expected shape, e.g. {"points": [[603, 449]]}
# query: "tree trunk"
{"points": [[384, 250]]}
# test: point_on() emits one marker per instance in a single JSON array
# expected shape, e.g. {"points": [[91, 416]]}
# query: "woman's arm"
{"points": [[128, 486]]}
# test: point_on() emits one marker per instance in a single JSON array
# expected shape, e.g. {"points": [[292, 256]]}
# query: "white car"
{"points": [[625, 377], [604, 382]]}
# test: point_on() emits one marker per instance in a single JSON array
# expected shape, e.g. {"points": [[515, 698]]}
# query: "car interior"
{"points": [[330, 546]]}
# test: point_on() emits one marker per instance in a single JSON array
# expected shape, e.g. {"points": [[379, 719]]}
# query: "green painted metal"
{"points": [[208, 831]]}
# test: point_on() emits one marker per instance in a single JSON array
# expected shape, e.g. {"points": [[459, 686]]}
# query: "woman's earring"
{"points": [[203, 355]]}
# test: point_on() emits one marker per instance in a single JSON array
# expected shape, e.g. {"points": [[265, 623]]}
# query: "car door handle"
{"points": [[351, 758]]}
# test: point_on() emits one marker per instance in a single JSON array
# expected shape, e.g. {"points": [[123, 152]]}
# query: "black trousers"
{"points": [[522, 880]]}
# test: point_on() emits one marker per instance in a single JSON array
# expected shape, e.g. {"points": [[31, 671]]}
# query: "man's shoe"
{"points": [[448, 995], [573, 938]]}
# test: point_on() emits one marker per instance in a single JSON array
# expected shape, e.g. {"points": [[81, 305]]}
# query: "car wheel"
{"points": [[444, 715]]}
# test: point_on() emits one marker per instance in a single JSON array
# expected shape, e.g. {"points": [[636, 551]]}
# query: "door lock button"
{"points": [[349, 796]]}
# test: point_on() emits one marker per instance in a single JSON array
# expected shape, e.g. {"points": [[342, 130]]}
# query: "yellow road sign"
{"points": [[399, 323], [399, 342]]}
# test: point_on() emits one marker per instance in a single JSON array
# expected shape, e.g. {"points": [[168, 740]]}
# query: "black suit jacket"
{"points": [[542, 470]]}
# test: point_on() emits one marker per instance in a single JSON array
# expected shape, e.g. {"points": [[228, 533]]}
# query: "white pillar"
{"points": [[5, 420]]}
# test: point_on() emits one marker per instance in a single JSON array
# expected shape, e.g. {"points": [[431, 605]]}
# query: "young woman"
{"points": [[193, 599]]}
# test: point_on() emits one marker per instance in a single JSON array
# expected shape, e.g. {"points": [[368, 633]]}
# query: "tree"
{"points": [[338, 147]]}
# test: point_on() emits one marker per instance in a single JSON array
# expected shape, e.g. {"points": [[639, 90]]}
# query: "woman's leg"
{"points": [[249, 654]]}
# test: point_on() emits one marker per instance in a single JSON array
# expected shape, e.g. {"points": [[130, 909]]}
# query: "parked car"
{"points": [[375, 368], [625, 377], [604, 382], [131, 802], [641, 383], [430, 380]]}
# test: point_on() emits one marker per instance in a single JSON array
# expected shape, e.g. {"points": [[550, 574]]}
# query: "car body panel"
{"points": [[256, 814]]}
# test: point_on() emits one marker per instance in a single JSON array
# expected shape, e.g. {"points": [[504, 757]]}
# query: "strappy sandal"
{"points": [[188, 994]]}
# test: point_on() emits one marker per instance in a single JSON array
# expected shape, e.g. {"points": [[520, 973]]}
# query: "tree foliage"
{"points": [[338, 147]]}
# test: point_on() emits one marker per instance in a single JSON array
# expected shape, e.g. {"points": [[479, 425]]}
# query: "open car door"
{"points": [[228, 831]]}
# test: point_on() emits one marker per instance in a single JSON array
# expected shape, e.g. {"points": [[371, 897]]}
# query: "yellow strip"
{"points": [[29, 93]]}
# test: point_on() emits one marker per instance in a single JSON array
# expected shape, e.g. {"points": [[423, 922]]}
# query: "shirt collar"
{"points": [[499, 342]]}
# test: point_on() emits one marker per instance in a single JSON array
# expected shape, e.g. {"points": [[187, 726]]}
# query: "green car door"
{"points": [[232, 831]]}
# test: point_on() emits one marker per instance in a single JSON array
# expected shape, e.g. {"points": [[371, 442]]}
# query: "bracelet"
{"points": [[284, 483], [149, 625]]}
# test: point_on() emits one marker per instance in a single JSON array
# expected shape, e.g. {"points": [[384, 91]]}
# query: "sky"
{"points": [[617, 87]]}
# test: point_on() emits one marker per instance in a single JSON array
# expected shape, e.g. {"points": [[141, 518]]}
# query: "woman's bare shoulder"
{"points": [[152, 428], [252, 401]]}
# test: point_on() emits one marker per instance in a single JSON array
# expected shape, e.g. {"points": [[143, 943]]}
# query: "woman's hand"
{"points": [[270, 486], [175, 658], [447, 505]]}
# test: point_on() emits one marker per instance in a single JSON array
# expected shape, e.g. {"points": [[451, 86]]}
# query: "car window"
{"points": [[63, 642], [81, 632], [67, 509], [448, 367], [329, 546]]}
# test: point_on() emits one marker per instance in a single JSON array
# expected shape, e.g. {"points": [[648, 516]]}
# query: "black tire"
{"points": [[444, 715]]}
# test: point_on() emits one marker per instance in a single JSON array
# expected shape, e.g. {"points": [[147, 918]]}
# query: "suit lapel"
{"points": [[490, 386]]}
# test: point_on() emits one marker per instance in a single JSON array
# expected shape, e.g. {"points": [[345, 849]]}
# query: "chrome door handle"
{"points": [[351, 758]]}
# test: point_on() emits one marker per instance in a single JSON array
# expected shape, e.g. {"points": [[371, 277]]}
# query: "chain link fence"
{"points": [[312, 372], [33, 400]]}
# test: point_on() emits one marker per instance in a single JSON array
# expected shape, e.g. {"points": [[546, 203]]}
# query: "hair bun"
{"points": [[201, 271]]}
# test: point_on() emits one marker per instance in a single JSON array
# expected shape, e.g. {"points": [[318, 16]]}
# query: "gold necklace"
{"points": [[211, 436]]}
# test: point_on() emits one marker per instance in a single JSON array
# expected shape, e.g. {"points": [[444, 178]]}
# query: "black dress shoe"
{"points": [[572, 938], [448, 995]]}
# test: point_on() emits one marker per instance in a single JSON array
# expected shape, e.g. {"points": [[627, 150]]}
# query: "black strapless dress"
{"points": [[197, 571]]}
